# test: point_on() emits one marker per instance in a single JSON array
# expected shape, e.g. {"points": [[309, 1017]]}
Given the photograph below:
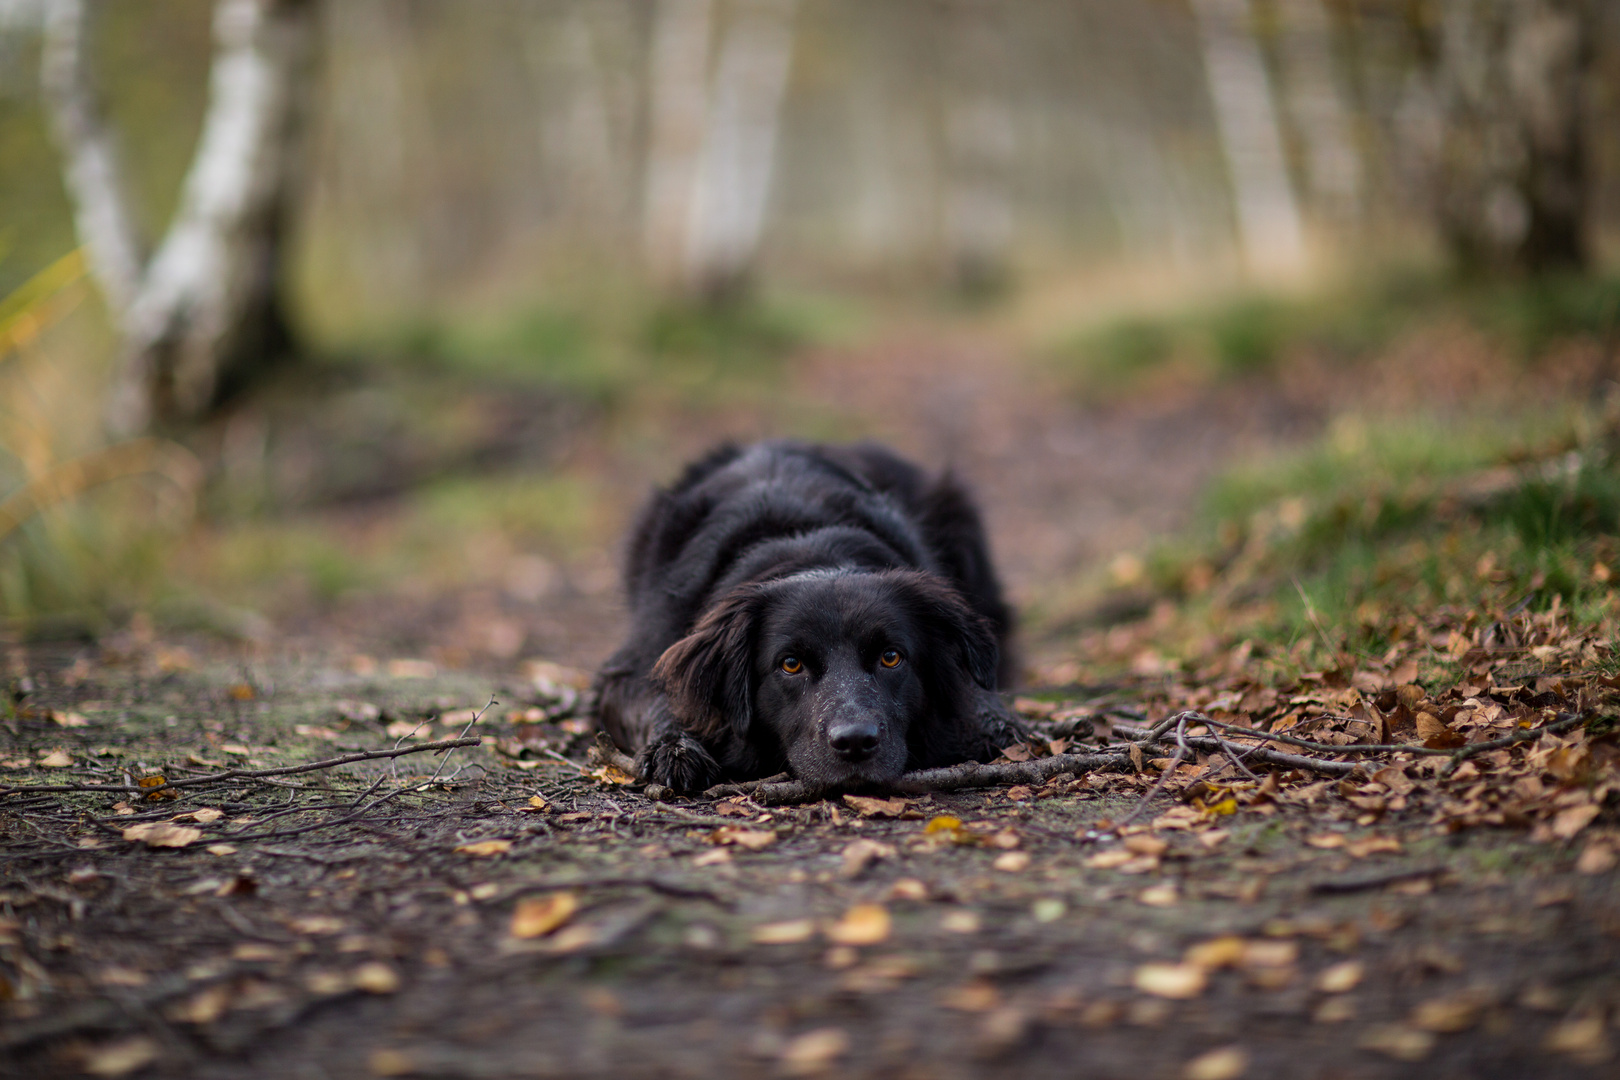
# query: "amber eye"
{"points": [[890, 658], [792, 665]]}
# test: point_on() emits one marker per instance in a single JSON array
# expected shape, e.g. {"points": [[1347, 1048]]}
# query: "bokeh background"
{"points": [[1239, 314]]}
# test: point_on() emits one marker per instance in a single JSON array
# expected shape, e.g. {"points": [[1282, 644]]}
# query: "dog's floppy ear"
{"points": [[708, 673], [949, 618]]}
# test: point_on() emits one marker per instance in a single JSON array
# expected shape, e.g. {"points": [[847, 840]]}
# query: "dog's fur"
{"points": [[771, 587]]}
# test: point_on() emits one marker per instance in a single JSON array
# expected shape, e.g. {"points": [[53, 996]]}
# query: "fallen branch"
{"points": [[246, 774], [1341, 886], [605, 752], [967, 775]]}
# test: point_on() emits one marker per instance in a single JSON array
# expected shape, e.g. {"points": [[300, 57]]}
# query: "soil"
{"points": [[515, 910]]}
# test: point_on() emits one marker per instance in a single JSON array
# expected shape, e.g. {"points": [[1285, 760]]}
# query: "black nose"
{"points": [[853, 740]]}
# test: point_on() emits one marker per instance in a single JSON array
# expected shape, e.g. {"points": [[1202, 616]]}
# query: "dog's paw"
{"points": [[678, 761], [998, 726]]}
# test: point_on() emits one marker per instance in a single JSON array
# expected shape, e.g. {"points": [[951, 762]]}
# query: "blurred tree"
{"points": [[1512, 83], [1268, 219], [712, 149], [980, 147], [203, 311]]}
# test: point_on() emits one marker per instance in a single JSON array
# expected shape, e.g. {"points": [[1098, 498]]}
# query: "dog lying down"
{"points": [[830, 611]]}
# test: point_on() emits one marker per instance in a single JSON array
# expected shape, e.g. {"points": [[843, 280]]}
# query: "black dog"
{"points": [[827, 610]]}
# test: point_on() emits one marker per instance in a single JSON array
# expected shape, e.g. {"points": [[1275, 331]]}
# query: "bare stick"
{"points": [[605, 752], [1175, 763], [247, 774]]}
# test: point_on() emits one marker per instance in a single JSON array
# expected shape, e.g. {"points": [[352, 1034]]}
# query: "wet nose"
{"points": [[854, 739]]}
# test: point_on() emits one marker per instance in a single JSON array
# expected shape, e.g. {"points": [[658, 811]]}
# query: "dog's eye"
{"points": [[890, 658], [792, 665]]}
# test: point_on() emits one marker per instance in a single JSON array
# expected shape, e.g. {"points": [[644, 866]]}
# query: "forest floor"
{"points": [[511, 908]]}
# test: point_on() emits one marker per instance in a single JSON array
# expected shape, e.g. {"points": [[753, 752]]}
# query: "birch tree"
{"points": [[1315, 103], [1268, 219], [712, 149], [202, 309]]}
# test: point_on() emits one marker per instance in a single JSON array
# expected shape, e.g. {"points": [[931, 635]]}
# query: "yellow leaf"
{"points": [[612, 774], [1179, 981], [784, 933], [538, 916], [157, 782], [242, 692], [863, 924], [943, 823], [1226, 1063], [485, 848], [1340, 978], [163, 834], [376, 978]]}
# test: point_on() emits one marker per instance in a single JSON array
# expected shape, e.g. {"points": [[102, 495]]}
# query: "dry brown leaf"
{"points": [[863, 924], [870, 807], [859, 853], [68, 719], [1216, 953], [317, 925], [1570, 822], [960, 921], [1456, 1012], [536, 916], [1178, 981], [163, 834], [485, 848], [1110, 859], [752, 839], [1164, 894], [1582, 1038], [977, 995], [1595, 858], [1012, 862], [56, 759], [1326, 841], [1373, 845], [1143, 844]]}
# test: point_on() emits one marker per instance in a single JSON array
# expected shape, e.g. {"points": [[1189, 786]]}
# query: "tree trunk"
{"points": [[204, 311], [1268, 220], [727, 212], [1316, 105], [678, 106], [1512, 189], [980, 145]]}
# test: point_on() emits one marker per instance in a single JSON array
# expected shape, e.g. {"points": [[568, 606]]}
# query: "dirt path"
{"points": [[512, 914]]}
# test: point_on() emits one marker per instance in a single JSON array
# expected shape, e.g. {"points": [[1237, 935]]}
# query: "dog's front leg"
{"points": [[671, 756], [997, 725]]}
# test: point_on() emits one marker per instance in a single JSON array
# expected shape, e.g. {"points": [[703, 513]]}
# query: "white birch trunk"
{"points": [[733, 183], [678, 105], [206, 302], [980, 146], [1268, 220]]}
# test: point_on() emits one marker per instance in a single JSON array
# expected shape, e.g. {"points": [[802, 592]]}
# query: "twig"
{"points": [[605, 752], [247, 774], [1180, 720], [477, 716], [1354, 885], [1563, 723], [746, 787]]}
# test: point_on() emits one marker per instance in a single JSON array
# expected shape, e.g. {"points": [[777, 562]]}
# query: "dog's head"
{"points": [[842, 676]]}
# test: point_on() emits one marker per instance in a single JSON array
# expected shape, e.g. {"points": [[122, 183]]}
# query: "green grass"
{"points": [[1253, 334]]}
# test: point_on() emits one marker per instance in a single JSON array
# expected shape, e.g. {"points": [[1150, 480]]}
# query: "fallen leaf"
{"points": [[1340, 978], [157, 782], [376, 978], [1457, 1012], [1143, 844], [536, 805], [1373, 845], [1581, 1038], [790, 932], [712, 858], [814, 1051], [960, 921], [485, 848], [390, 1062], [612, 774], [1225, 1063], [1216, 953], [1571, 821], [863, 924], [204, 1007], [1269, 954], [119, 1058], [1595, 858], [221, 849], [870, 807], [1012, 862], [163, 834], [1049, 909], [943, 823], [317, 924], [1110, 859], [1326, 841], [1398, 1041], [56, 759], [68, 719], [537, 916], [977, 995], [860, 853], [202, 816], [908, 889], [241, 692], [752, 839], [1178, 981], [1164, 894]]}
